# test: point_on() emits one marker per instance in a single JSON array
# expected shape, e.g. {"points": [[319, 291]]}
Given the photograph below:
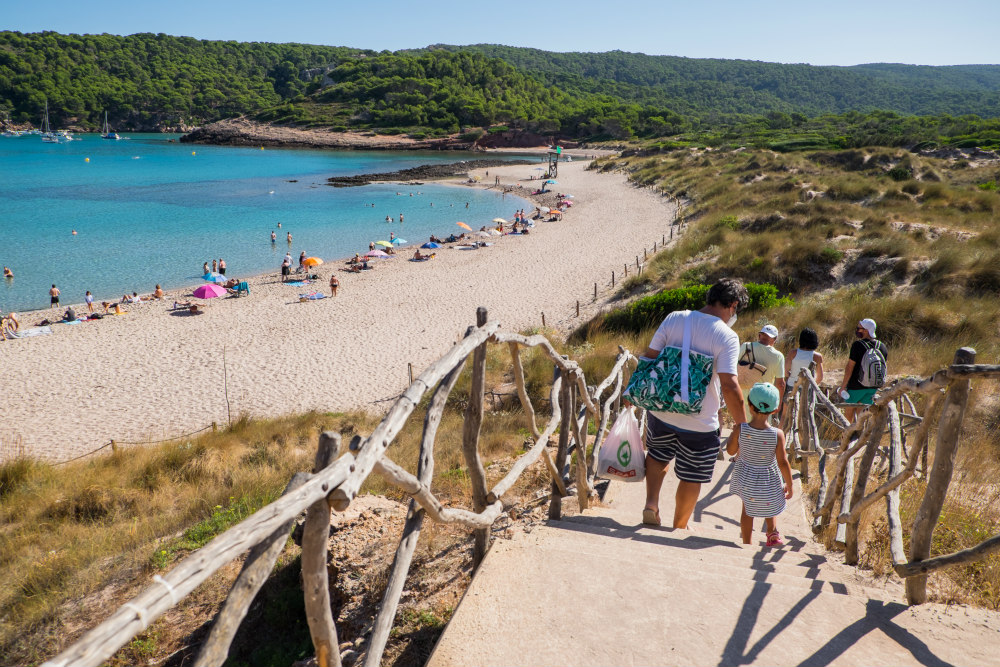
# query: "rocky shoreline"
{"points": [[423, 172], [245, 132]]}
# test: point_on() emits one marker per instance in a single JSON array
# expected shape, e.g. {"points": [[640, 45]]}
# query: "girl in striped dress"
{"points": [[762, 477]]}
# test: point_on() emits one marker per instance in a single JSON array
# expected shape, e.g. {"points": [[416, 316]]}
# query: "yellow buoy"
{"points": [[86, 159], [193, 153]]}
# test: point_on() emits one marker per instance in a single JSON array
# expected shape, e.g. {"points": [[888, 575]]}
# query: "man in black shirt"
{"points": [[861, 379]]}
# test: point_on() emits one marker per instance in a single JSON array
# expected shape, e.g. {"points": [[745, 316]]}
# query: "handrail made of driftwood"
{"points": [[972, 554]]}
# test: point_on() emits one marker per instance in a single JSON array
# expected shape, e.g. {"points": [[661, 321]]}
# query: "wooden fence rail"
{"points": [[338, 475], [891, 414]]}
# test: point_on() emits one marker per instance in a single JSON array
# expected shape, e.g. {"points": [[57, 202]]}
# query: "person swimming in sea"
{"points": [[7, 273]]}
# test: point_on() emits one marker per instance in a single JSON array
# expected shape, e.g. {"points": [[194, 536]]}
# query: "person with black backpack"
{"points": [[866, 368]]}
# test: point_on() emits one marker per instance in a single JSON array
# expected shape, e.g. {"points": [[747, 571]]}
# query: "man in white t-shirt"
{"points": [[693, 440]]}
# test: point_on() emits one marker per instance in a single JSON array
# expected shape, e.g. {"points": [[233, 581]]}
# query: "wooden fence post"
{"points": [[566, 403], [315, 577], [612, 279], [949, 427], [881, 417], [578, 308], [543, 319], [409, 371], [595, 291], [470, 441]]}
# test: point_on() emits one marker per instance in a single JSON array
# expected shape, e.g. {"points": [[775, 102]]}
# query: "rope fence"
{"points": [[12, 447]]}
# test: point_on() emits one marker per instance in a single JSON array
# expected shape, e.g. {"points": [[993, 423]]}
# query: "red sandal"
{"points": [[774, 539]]}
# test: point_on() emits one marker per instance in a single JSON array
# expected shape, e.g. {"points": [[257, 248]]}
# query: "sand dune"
{"points": [[150, 374]]}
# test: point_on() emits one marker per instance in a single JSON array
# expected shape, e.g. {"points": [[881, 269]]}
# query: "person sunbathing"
{"points": [[158, 293], [182, 304], [419, 256]]}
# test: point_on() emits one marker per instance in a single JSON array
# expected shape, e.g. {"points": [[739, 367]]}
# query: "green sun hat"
{"points": [[765, 397]]}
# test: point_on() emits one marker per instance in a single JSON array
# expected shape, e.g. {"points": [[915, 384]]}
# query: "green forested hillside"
{"points": [[155, 81], [705, 87], [146, 75]]}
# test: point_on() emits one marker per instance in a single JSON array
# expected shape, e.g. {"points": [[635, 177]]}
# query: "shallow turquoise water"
{"points": [[148, 211]]}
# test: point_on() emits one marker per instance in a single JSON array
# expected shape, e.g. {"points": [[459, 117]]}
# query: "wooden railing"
{"points": [[891, 415], [338, 475]]}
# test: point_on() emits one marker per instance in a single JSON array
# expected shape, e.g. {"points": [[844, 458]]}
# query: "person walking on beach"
{"points": [[222, 266], [334, 284], [54, 296], [865, 371], [90, 301], [694, 439], [762, 477]]}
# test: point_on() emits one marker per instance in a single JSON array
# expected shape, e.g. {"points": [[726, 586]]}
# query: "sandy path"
{"points": [[150, 374]]}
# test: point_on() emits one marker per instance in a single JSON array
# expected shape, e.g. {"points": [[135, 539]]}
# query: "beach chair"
{"points": [[242, 288]]}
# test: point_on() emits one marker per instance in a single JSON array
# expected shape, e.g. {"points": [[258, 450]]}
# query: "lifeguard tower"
{"points": [[554, 155]]}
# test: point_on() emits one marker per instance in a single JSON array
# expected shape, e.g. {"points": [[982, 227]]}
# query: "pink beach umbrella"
{"points": [[375, 253], [209, 291]]}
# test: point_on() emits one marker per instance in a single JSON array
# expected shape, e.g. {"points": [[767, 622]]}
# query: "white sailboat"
{"points": [[106, 132], [48, 136]]}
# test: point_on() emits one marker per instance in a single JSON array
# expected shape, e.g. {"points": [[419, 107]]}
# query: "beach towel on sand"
{"points": [[298, 283], [34, 331], [312, 296]]}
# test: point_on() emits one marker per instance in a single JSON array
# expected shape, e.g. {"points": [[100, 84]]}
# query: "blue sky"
{"points": [[847, 32]]}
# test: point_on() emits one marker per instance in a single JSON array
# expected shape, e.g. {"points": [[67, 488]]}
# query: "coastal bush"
{"points": [[649, 311]]}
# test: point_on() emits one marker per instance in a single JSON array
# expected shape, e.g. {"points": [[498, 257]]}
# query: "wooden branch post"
{"points": [[255, 571], [470, 441], [315, 577], [555, 505], [896, 550], [949, 427], [861, 481]]}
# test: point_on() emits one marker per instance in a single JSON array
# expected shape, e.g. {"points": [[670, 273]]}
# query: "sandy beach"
{"points": [[151, 374]]}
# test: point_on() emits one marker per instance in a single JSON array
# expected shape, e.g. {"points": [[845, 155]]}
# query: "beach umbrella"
{"points": [[213, 277], [398, 241], [463, 226], [312, 261], [569, 196], [431, 245], [494, 232], [384, 243], [375, 253], [209, 291], [551, 182], [544, 209], [501, 220], [483, 234]]}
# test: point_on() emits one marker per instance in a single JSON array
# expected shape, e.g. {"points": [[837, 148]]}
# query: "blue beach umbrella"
{"points": [[431, 245], [214, 277], [551, 182], [398, 241]]}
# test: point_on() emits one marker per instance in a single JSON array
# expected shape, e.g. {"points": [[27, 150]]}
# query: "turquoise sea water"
{"points": [[148, 211]]}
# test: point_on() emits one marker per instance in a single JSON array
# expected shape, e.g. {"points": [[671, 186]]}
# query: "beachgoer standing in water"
{"points": [[274, 237], [334, 284], [289, 238], [204, 268], [222, 266], [54, 296], [215, 266], [302, 259]]}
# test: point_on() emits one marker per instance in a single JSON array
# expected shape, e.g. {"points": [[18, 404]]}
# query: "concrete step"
{"points": [[708, 551], [540, 602]]}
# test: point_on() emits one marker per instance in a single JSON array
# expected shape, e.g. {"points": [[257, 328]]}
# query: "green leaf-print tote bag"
{"points": [[676, 381]]}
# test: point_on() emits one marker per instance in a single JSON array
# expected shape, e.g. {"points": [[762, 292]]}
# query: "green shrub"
{"points": [[900, 173], [988, 185], [651, 310]]}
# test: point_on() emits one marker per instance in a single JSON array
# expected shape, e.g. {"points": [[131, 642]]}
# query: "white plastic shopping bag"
{"points": [[622, 456]]}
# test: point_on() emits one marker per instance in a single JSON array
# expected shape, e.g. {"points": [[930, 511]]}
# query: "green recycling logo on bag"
{"points": [[624, 454]]}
